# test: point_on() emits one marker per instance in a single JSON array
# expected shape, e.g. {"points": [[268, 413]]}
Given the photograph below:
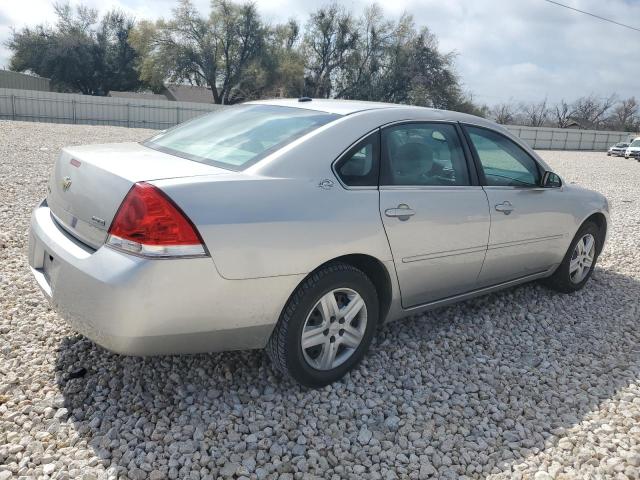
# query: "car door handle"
{"points": [[401, 212], [504, 207]]}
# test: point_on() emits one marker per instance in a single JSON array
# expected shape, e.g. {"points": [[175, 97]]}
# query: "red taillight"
{"points": [[149, 223]]}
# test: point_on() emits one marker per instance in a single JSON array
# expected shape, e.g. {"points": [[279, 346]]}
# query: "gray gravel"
{"points": [[520, 384]]}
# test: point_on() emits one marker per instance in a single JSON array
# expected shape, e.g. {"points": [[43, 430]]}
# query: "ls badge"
{"points": [[66, 183]]}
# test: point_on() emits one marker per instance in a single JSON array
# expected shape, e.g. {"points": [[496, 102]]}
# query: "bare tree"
{"points": [[561, 114], [591, 111], [625, 115], [503, 113], [534, 114]]}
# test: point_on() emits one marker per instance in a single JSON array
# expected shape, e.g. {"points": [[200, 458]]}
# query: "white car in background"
{"points": [[618, 150], [633, 150]]}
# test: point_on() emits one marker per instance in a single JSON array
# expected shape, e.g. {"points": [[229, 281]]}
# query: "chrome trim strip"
{"points": [[496, 246], [448, 253], [430, 187]]}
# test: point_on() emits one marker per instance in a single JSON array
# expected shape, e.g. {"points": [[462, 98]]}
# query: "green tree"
{"points": [[79, 54], [329, 45], [215, 51], [279, 69], [371, 58]]}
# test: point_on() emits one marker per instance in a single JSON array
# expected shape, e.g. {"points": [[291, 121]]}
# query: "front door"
{"points": [[527, 227], [436, 221]]}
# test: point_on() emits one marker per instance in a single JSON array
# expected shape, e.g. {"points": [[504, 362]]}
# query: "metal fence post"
{"points": [[13, 107], [177, 114], [73, 110], [128, 116]]}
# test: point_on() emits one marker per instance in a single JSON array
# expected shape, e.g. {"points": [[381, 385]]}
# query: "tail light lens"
{"points": [[148, 223]]}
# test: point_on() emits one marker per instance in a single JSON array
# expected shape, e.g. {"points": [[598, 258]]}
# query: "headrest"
{"points": [[412, 158]]}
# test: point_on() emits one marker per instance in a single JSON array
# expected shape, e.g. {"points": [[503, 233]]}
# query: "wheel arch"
{"points": [[600, 220], [377, 273]]}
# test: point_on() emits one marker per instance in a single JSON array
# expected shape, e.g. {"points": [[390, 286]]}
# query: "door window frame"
{"points": [[478, 164], [355, 147], [472, 171]]}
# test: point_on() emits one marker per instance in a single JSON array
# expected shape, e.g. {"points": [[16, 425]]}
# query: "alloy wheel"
{"points": [[582, 258], [334, 329]]}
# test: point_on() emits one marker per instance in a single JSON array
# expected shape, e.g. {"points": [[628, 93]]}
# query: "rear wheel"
{"points": [[580, 260], [326, 327]]}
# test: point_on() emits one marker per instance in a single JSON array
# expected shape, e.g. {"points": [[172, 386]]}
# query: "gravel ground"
{"points": [[525, 383]]}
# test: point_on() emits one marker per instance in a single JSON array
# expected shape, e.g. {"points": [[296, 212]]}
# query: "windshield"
{"points": [[236, 137], [622, 145], [635, 143]]}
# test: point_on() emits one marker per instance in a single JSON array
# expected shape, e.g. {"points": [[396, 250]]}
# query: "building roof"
{"points": [[189, 93], [136, 95]]}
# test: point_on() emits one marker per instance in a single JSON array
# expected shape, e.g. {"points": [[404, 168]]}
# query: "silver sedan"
{"points": [[300, 226]]}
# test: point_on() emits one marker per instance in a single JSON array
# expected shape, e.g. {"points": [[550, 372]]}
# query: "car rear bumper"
{"points": [[138, 306]]}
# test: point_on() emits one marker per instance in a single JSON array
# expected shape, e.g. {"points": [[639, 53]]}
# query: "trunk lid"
{"points": [[88, 183]]}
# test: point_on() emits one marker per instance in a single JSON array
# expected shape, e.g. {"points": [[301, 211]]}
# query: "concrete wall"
{"points": [[29, 105], [547, 138]]}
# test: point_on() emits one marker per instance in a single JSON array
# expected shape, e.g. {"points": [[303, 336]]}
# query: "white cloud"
{"points": [[522, 50]]}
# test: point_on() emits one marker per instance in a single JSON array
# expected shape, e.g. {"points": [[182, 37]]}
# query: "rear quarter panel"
{"points": [[261, 226]]}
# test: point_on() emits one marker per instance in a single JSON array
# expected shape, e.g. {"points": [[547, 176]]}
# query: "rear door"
{"points": [[435, 214], [527, 227]]}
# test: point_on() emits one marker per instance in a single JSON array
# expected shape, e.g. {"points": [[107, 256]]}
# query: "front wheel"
{"points": [[579, 262], [326, 327]]}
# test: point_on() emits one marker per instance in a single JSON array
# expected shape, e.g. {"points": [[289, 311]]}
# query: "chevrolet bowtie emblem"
{"points": [[66, 183]]}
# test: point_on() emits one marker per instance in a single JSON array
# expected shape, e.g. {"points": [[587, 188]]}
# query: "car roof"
{"points": [[347, 107], [339, 107]]}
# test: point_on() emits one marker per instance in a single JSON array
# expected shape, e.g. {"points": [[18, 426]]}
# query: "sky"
{"points": [[506, 50]]}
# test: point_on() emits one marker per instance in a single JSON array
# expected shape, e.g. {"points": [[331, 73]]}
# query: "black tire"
{"points": [[561, 280], [284, 346]]}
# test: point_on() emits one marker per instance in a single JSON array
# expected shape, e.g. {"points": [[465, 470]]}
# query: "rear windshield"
{"points": [[239, 136]]}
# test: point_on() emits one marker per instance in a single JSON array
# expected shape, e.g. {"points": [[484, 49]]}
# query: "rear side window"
{"points": [[504, 162], [237, 137], [423, 154], [359, 166]]}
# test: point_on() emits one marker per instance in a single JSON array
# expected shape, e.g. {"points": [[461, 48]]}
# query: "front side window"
{"points": [[423, 154], [236, 137], [504, 162], [359, 166]]}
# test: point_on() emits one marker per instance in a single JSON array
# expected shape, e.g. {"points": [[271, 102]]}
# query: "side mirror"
{"points": [[551, 180]]}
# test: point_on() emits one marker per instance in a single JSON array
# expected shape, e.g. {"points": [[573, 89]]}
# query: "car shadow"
{"points": [[508, 388]]}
